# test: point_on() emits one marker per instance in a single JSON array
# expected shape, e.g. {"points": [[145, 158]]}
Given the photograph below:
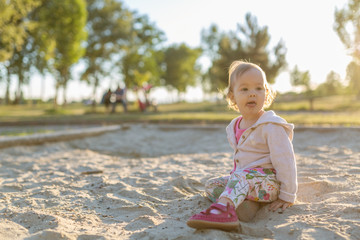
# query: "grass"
{"points": [[24, 132], [329, 111], [341, 103]]}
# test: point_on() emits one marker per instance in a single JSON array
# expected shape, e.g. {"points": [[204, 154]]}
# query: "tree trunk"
{"points": [[42, 94], [64, 77], [311, 102], [18, 91], [64, 94], [7, 93], [56, 95], [96, 83], [65, 81]]}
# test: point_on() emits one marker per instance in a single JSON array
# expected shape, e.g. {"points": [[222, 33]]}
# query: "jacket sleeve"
{"points": [[283, 160]]}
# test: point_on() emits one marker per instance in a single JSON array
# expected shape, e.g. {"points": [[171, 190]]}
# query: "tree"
{"points": [[23, 62], [14, 22], [353, 75], [347, 26], [299, 78], [20, 65], [15, 26], [40, 46], [249, 42], [331, 86], [181, 68], [210, 39], [108, 26], [63, 31], [142, 61], [347, 19]]}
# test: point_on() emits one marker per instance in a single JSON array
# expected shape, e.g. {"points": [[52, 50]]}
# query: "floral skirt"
{"points": [[256, 184]]}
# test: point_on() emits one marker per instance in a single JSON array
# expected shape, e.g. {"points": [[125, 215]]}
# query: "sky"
{"points": [[305, 26]]}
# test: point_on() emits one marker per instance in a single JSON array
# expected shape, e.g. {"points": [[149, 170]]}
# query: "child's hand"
{"points": [[279, 204]]}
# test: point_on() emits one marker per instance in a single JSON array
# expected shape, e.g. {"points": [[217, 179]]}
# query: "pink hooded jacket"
{"points": [[267, 144]]}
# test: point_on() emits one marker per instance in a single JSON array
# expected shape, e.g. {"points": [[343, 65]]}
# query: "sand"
{"points": [[144, 181]]}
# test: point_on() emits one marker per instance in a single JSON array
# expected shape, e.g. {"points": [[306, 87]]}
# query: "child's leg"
{"points": [[214, 187], [217, 215], [264, 187], [256, 184], [247, 210], [236, 189]]}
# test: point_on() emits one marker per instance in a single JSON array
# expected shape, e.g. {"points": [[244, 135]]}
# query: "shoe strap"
{"points": [[223, 209]]}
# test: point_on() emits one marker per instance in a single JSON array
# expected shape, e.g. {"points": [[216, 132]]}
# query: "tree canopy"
{"points": [[331, 86], [108, 26], [299, 78], [65, 24], [143, 55], [250, 43], [14, 23], [347, 26], [303, 78], [182, 69]]}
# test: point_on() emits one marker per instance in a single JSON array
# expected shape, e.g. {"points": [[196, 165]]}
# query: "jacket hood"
{"points": [[271, 117]]}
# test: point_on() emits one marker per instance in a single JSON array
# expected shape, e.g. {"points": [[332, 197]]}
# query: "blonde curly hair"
{"points": [[236, 69]]}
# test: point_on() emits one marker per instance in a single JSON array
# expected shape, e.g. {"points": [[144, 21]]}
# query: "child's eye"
{"points": [[243, 89], [259, 88]]}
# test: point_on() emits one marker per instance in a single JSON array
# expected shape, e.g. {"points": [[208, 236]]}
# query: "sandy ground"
{"points": [[145, 181]]}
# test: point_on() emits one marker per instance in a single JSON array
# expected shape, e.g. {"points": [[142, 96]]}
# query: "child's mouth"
{"points": [[251, 104]]}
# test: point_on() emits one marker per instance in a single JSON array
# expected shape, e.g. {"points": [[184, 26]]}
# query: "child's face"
{"points": [[249, 92]]}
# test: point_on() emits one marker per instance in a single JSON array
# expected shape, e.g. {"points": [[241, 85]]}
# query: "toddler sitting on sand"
{"points": [[264, 162]]}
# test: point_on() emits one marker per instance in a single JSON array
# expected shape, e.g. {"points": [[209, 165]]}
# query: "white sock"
{"points": [[215, 211]]}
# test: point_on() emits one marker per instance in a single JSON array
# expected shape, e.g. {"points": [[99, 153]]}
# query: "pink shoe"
{"points": [[226, 220]]}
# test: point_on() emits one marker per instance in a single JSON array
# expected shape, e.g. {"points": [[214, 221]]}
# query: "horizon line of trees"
{"points": [[51, 37]]}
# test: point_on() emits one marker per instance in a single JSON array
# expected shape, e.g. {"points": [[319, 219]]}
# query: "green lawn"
{"points": [[336, 110]]}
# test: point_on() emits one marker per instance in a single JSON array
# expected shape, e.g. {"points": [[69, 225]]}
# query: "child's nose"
{"points": [[252, 94]]}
